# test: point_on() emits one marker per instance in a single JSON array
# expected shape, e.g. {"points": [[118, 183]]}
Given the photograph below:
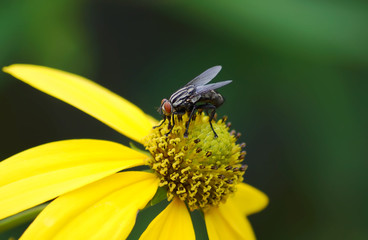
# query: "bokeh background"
{"points": [[299, 94]]}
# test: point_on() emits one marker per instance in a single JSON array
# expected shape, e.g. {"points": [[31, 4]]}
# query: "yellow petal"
{"points": [[86, 95], [105, 209], [44, 172], [153, 120], [250, 200], [227, 222], [172, 223]]}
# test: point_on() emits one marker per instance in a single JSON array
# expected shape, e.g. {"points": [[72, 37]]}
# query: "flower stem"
{"points": [[21, 218]]}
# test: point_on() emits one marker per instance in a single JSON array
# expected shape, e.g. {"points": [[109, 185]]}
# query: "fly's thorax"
{"points": [[180, 97], [201, 170]]}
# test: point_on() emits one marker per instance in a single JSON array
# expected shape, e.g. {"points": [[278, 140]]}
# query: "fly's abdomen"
{"points": [[212, 97]]}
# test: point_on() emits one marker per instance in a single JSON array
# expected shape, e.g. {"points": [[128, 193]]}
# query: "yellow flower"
{"points": [[95, 200]]}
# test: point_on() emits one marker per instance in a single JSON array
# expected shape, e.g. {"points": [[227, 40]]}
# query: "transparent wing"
{"points": [[213, 86], [205, 77]]}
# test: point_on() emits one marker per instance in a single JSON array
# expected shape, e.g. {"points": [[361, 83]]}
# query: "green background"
{"points": [[299, 91]]}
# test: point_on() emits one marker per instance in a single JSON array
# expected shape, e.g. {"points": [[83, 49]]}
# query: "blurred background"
{"points": [[299, 91]]}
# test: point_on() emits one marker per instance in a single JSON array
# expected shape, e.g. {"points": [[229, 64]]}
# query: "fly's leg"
{"points": [[173, 124], [190, 119], [169, 125], [173, 121], [211, 115], [160, 123]]}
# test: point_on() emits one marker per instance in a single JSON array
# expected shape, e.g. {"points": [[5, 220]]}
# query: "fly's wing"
{"points": [[209, 87], [205, 77]]}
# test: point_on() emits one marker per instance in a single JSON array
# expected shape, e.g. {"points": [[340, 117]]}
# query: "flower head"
{"points": [[200, 169], [95, 200]]}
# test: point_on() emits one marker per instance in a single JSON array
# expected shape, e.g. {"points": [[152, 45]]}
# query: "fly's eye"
{"points": [[163, 100], [166, 108]]}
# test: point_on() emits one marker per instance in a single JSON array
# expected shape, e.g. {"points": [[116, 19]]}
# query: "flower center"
{"points": [[201, 170]]}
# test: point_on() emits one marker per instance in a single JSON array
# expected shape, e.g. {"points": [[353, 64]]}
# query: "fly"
{"points": [[195, 95]]}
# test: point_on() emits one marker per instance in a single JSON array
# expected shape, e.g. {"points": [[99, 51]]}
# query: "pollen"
{"points": [[201, 170]]}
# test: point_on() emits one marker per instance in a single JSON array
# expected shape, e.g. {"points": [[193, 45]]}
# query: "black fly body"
{"points": [[195, 95]]}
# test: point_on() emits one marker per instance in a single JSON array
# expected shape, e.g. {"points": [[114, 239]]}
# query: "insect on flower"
{"points": [[86, 178], [195, 95]]}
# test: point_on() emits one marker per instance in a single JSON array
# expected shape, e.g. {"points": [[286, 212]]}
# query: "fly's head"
{"points": [[165, 108]]}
